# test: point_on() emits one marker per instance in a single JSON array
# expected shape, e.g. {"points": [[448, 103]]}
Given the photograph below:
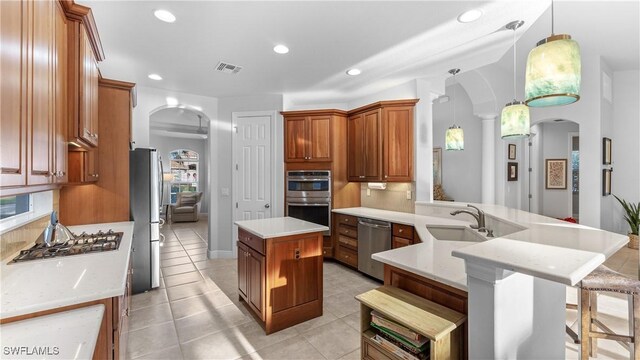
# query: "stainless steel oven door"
{"points": [[317, 211]]}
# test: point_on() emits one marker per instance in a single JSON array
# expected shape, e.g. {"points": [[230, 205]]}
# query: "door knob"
{"points": [[267, 206]]}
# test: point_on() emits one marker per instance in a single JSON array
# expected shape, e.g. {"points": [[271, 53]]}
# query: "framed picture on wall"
{"points": [[556, 174], [437, 166], [606, 182], [512, 171], [512, 151], [606, 151]]}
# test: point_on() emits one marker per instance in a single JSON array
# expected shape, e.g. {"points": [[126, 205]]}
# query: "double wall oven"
{"points": [[309, 196]]}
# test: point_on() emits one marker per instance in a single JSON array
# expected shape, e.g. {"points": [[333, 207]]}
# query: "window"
{"points": [[14, 205], [185, 172]]}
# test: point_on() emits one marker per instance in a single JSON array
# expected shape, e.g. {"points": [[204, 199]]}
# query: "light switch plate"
{"points": [[408, 194], [368, 192]]}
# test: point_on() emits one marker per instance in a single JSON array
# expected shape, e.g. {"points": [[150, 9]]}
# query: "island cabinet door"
{"points": [[255, 275], [294, 269], [243, 252]]}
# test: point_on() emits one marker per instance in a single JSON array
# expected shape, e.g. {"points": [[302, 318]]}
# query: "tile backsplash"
{"points": [[19, 238], [394, 197]]}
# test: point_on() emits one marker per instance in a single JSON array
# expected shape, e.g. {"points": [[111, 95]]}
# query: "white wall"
{"points": [[220, 237], [461, 170], [554, 143], [606, 126], [626, 150], [166, 144], [150, 99]]}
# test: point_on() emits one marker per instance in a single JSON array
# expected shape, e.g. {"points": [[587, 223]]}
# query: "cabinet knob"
{"points": [[386, 176], [97, 175], [51, 173], [400, 230], [361, 176]]}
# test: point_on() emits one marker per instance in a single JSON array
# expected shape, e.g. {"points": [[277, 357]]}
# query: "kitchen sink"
{"points": [[454, 233]]}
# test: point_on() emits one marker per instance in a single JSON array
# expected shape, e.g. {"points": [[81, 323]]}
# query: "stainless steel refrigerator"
{"points": [[145, 184]]}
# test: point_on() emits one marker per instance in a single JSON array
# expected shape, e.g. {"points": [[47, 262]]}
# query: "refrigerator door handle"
{"points": [[155, 264]]}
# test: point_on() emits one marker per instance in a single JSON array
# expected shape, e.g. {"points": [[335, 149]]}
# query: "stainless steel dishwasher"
{"points": [[373, 236]]}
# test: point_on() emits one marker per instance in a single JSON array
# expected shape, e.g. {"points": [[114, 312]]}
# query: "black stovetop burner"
{"points": [[80, 244]]}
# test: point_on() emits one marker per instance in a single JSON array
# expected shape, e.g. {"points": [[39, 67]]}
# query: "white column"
{"points": [[513, 315], [488, 159]]}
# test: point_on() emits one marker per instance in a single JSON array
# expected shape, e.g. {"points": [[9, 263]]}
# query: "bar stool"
{"points": [[605, 279]]}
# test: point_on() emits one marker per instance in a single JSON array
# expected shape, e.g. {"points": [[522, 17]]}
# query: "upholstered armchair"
{"points": [[186, 207]]}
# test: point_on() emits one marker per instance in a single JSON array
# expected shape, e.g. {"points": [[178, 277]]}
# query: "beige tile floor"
{"points": [[196, 314]]}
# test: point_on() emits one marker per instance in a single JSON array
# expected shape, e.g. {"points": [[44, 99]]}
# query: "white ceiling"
{"points": [[391, 41]]}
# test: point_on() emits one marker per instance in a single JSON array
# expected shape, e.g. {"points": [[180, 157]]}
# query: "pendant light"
{"points": [[553, 71], [514, 122], [454, 137]]}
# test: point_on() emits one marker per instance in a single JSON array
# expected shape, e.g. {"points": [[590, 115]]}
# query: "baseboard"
{"points": [[220, 254]]}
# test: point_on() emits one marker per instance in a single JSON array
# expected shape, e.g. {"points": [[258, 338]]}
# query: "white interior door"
{"points": [[252, 167]]}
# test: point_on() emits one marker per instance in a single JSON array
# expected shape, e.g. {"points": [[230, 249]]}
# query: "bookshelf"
{"points": [[439, 324]]}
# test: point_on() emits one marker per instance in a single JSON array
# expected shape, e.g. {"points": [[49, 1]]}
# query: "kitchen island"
{"points": [[280, 270], [513, 286]]}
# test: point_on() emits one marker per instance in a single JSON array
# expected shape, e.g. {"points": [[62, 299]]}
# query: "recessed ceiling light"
{"points": [[353, 72], [469, 16], [165, 15], [154, 77], [281, 49]]}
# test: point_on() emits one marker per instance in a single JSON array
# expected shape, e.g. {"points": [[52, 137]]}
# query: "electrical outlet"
{"points": [[368, 192], [408, 194]]}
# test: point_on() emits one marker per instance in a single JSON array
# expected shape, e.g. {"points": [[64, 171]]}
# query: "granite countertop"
{"points": [[38, 285], [540, 246], [65, 335], [278, 227]]}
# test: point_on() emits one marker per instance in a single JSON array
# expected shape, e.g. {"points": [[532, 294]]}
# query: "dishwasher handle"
{"points": [[377, 225]]}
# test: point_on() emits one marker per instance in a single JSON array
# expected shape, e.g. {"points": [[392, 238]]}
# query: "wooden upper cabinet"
{"points": [[308, 135], [364, 150], [319, 138], [295, 139], [88, 121], [380, 142], [83, 76], [60, 120], [13, 93], [398, 143], [41, 124]]}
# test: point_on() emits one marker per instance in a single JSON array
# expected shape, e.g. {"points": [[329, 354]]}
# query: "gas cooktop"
{"points": [[80, 244]]}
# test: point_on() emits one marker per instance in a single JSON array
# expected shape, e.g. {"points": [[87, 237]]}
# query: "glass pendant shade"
{"points": [[515, 122], [553, 72], [454, 138]]}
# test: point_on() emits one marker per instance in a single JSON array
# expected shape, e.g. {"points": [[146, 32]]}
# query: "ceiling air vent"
{"points": [[228, 68]]}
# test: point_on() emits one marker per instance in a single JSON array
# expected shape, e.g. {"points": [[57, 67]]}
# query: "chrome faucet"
{"points": [[479, 217]]}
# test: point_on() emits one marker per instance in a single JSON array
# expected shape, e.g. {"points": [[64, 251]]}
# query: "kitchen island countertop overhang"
{"points": [[579, 249]]}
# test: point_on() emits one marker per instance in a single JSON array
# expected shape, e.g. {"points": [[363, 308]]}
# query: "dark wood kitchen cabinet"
{"points": [[402, 235], [309, 135], [380, 142], [280, 279], [364, 146], [346, 235]]}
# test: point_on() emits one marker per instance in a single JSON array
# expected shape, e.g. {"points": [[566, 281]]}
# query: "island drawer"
{"points": [[405, 231], [347, 256], [252, 241], [348, 242], [350, 231], [347, 220]]}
